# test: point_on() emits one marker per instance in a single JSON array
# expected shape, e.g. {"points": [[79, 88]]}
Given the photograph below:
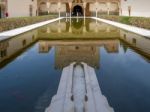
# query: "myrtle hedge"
{"points": [[143, 22], [12, 23]]}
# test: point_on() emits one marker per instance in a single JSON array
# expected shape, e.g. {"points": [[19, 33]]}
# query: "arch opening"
{"points": [[77, 10]]}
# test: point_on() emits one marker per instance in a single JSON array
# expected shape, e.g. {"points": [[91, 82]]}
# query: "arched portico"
{"points": [[42, 8], [78, 7]]}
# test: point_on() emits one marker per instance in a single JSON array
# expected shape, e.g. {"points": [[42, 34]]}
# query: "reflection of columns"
{"points": [[59, 27], [108, 29], [48, 30], [84, 29], [84, 21], [77, 20], [59, 30], [96, 11], [108, 8], [59, 7], [96, 29], [70, 27]]}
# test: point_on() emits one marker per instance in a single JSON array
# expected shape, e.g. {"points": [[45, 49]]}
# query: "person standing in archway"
{"points": [[6, 15]]}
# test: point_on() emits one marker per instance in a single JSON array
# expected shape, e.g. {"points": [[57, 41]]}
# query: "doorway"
{"points": [[77, 10]]}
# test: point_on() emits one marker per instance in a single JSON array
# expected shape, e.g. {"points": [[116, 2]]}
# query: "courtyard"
{"points": [[74, 56]]}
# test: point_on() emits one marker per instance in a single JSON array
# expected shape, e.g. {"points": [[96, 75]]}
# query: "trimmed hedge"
{"points": [[12, 23], [142, 22]]}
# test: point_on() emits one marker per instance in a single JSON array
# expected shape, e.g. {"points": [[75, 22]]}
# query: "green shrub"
{"points": [[124, 19], [142, 22], [11, 23]]}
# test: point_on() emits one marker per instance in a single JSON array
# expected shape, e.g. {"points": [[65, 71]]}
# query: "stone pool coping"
{"points": [[7, 34], [137, 30]]}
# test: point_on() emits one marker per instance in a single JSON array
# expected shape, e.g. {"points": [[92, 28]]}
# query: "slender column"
{"points": [[59, 12], [70, 13], [59, 7], [84, 5], [70, 27], [48, 6], [96, 12], [70, 6], [108, 8], [96, 4]]}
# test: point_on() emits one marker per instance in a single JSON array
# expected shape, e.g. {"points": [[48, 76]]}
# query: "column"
{"points": [[108, 8], [70, 6], [48, 6], [84, 6], [59, 8], [96, 5]]}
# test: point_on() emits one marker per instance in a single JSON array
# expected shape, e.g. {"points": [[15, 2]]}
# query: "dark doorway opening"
{"points": [[77, 10]]}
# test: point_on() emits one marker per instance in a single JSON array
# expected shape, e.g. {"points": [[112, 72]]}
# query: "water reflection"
{"points": [[67, 52], [108, 36], [137, 43], [111, 51], [66, 55], [78, 29], [12, 48]]}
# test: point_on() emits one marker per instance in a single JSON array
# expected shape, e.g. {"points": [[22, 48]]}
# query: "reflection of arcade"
{"points": [[78, 28], [44, 47], [77, 23], [139, 44], [10, 49], [67, 52], [65, 55]]}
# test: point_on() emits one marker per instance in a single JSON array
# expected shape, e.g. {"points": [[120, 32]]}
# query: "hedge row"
{"points": [[11, 23], [134, 21]]}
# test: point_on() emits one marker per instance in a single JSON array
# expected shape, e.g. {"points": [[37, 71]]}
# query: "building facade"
{"points": [[23, 8], [17, 8], [79, 7], [135, 8], [3, 8]]}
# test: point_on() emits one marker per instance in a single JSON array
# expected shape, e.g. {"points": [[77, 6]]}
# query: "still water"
{"points": [[31, 65]]}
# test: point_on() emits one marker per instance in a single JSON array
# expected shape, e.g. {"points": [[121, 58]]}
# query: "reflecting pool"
{"points": [[31, 64]]}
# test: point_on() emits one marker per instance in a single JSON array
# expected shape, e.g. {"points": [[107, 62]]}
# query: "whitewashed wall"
{"points": [[138, 7], [54, 8], [20, 8], [104, 6]]}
